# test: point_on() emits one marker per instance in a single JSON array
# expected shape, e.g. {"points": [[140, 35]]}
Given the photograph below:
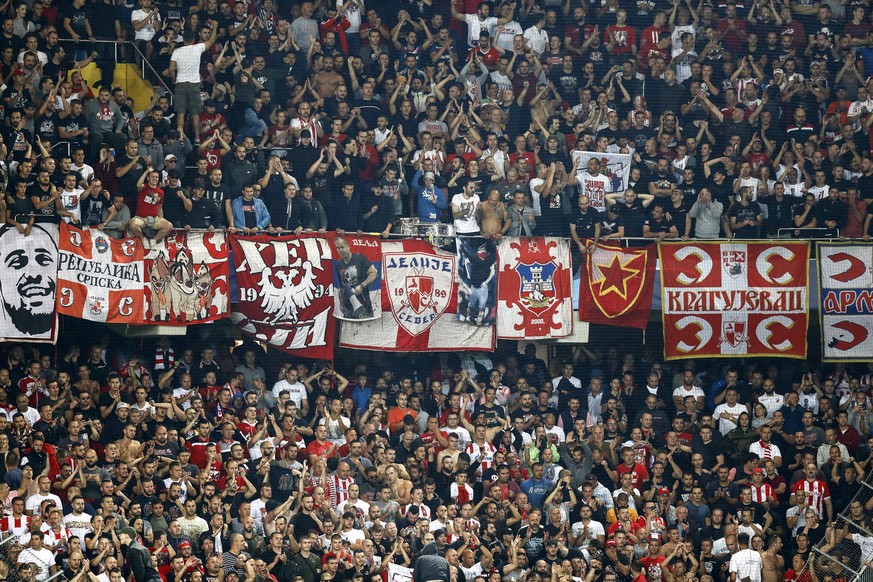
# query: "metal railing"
{"points": [[142, 61], [839, 555]]}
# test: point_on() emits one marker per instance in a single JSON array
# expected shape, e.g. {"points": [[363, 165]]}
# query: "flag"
{"points": [[419, 305], [616, 286], [28, 283], [613, 166], [286, 292], [357, 259], [735, 299], [399, 573], [533, 289], [846, 309], [477, 280], [100, 278], [188, 279]]}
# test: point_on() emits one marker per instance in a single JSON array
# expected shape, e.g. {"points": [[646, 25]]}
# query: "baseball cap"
{"points": [[611, 543], [428, 176], [758, 470], [663, 491], [199, 183], [122, 405], [184, 544], [169, 157], [210, 103]]}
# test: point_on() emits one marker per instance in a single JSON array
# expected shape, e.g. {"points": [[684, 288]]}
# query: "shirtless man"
{"points": [[129, 449], [401, 489], [327, 79], [492, 216], [451, 451], [773, 563]]}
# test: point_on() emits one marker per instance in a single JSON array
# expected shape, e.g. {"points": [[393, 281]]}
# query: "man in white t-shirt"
{"points": [[595, 185], [478, 22], [146, 21], [464, 209], [729, 411], [296, 389], [185, 68]]}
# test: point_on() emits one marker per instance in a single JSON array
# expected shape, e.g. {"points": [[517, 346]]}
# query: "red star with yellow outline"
{"points": [[615, 276]]}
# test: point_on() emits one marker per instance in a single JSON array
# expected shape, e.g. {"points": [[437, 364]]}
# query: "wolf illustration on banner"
{"points": [[188, 279]]}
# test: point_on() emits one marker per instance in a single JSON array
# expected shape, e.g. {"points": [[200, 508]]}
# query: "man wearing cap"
{"points": [[430, 566], [138, 557], [179, 146], [176, 201]]}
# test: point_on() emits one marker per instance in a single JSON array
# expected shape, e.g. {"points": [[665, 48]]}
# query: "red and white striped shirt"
{"points": [[765, 450], [338, 489], [17, 526], [763, 493], [816, 493], [483, 454], [53, 538]]}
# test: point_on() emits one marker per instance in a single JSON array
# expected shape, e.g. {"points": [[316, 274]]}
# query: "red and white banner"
{"points": [[188, 279], [286, 292], [419, 305], [731, 299], [616, 284], [100, 278], [846, 308], [533, 288]]}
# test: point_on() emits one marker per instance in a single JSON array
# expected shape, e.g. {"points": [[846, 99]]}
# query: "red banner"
{"points": [[286, 292], [419, 305], [100, 278], [730, 299], [616, 286], [188, 279], [534, 289]]}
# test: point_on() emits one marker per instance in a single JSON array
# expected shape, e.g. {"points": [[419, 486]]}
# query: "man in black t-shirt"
{"points": [[356, 273]]}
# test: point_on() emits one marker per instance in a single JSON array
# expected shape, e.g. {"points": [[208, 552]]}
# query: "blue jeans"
{"points": [[252, 124]]}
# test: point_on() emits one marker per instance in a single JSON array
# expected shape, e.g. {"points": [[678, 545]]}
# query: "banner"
{"points": [[399, 573], [286, 292], [534, 288], [477, 280], [28, 283], [357, 260], [419, 305], [616, 167], [100, 278], [846, 309], [616, 286], [730, 299], [188, 279]]}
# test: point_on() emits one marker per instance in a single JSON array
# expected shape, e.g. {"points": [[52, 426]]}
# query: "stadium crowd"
{"points": [[229, 465], [742, 119]]}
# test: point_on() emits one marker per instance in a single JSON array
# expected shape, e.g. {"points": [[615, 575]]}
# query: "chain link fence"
{"points": [[18, 565], [845, 553]]}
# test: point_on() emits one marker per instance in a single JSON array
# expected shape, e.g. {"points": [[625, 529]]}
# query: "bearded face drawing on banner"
{"points": [[29, 281]]}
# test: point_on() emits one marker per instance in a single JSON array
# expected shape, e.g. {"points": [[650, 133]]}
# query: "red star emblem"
{"points": [[615, 276]]}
